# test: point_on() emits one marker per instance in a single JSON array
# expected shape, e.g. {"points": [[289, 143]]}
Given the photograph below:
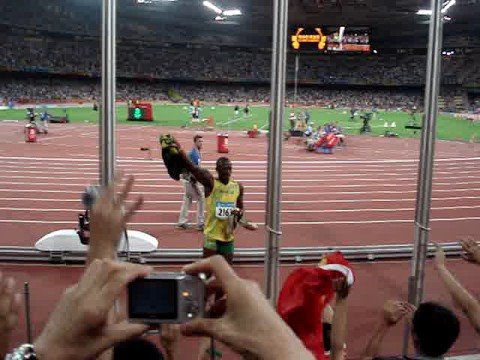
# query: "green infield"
{"points": [[448, 127]]}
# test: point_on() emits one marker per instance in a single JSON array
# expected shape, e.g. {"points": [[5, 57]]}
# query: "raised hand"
{"points": [[472, 250]]}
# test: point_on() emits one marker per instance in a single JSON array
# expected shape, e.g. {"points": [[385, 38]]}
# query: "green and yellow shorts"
{"points": [[220, 247]]}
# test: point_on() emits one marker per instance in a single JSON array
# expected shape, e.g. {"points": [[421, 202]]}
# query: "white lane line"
{"points": [[385, 161], [311, 182], [46, 140], [341, 222], [161, 175], [157, 166], [360, 222], [287, 211], [296, 202], [253, 193], [142, 161], [176, 185]]}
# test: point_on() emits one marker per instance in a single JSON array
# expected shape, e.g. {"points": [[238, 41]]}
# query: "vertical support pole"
{"points": [[28, 320], [425, 167], [107, 115], [295, 91], [274, 174]]}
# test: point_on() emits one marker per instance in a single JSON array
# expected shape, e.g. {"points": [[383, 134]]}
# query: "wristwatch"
{"points": [[23, 352]]}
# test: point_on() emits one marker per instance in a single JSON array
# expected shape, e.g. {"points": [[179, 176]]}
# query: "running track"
{"points": [[364, 194]]}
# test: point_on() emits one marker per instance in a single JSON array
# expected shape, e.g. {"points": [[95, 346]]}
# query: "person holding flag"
{"points": [[224, 199]]}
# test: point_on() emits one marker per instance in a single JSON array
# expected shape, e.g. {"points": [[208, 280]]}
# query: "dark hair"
{"points": [[137, 348], [435, 328], [196, 137], [221, 160]]}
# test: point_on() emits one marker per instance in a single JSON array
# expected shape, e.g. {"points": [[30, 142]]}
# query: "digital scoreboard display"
{"points": [[138, 111], [331, 39]]}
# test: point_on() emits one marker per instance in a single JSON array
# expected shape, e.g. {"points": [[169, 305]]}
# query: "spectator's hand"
{"points": [[341, 288], [79, 327], [9, 309], [109, 215], [439, 257], [394, 311], [409, 311], [471, 249], [169, 335], [247, 321]]}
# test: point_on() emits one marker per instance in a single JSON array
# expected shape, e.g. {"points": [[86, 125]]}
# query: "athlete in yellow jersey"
{"points": [[224, 207], [224, 210]]}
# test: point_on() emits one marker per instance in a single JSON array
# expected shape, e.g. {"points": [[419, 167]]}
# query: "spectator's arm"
{"points": [[79, 328], [472, 250], [9, 309], [169, 338], [393, 312], [374, 344], [245, 319], [108, 219], [469, 305], [339, 324]]}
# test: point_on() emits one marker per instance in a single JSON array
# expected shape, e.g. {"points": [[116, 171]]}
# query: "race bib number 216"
{"points": [[223, 209]]}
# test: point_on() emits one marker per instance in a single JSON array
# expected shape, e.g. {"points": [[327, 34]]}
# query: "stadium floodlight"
{"points": [[220, 18], [235, 12], [447, 5], [424, 12], [213, 7], [153, 1], [340, 34]]}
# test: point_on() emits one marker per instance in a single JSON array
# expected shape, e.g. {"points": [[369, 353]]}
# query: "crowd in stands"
{"points": [[43, 90], [79, 55], [88, 320], [40, 90]]}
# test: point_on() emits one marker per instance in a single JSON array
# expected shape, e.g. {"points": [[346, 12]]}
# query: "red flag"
{"points": [[304, 296]]}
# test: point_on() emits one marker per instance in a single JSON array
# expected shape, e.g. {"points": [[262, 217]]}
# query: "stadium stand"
{"points": [[60, 89], [81, 56]]}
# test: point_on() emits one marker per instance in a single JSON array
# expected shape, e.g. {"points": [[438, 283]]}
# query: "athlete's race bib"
{"points": [[223, 209]]}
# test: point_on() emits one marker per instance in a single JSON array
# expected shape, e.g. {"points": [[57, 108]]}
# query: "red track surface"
{"points": [[364, 194], [375, 283]]}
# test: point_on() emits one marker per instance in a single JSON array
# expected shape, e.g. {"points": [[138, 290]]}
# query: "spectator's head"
{"points": [[137, 348], [198, 141], [435, 329], [224, 169]]}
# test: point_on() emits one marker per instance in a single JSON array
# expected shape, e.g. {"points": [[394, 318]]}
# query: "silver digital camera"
{"points": [[166, 298]]}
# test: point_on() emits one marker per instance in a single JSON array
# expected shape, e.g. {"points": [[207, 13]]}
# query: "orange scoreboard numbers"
{"points": [[302, 37]]}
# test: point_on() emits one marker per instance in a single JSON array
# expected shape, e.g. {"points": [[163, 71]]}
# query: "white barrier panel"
{"points": [[68, 240]]}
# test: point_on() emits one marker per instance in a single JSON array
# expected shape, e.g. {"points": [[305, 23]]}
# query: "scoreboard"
{"points": [[308, 39], [331, 39], [138, 111]]}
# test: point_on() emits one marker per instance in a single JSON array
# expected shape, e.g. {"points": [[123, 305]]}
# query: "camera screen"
{"points": [[152, 299]]}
